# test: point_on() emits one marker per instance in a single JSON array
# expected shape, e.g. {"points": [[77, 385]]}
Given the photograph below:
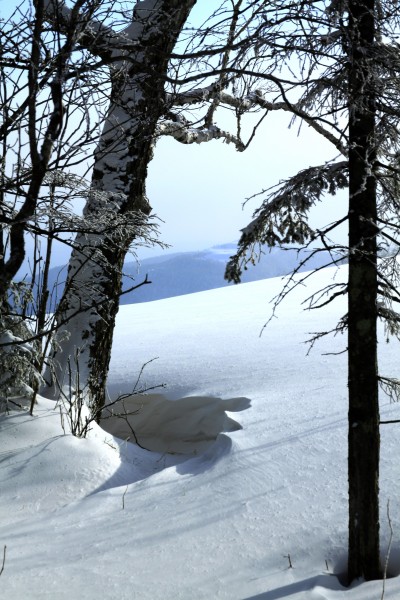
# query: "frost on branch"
{"points": [[283, 216], [104, 219], [194, 135], [19, 375]]}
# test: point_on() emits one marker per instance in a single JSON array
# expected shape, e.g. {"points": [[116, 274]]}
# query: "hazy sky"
{"points": [[198, 190]]}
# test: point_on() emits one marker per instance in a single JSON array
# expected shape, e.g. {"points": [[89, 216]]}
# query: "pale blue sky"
{"points": [[198, 191]]}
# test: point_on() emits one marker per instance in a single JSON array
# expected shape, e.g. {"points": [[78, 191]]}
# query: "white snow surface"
{"points": [[101, 518]]}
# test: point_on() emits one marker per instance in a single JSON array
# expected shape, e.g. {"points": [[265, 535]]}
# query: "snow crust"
{"points": [[103, 518]]}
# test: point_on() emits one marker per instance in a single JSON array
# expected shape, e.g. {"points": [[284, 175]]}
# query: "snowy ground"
{"points": [[102, 519]]}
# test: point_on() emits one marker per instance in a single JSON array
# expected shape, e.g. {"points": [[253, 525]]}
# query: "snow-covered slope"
{"points": [[98, 518], [188, 272]]}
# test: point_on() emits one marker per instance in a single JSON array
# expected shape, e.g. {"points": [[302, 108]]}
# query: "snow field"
{"points": [[102, 518]]}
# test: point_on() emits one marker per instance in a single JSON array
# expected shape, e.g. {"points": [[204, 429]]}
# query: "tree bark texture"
{"points": [[91, 300], [363, 437]]}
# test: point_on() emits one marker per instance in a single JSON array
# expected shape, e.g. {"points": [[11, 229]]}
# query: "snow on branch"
{"points": [[193, 135], [283, 216], [213, 92], [93, 35], [253, 100]]}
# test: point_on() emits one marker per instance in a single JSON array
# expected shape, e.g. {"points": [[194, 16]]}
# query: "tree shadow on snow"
{"points": [[318, 587], [186, 426], [185, 433]]}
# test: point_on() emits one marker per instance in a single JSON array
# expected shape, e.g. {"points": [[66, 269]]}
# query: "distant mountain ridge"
{"points": [[189, 272]]}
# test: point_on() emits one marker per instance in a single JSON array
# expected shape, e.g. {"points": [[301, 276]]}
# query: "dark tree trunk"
{"points": [[364, 442]]}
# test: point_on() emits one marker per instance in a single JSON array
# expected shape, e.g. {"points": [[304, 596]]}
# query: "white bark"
{"points": [[253, 100], [194, 135], [125, 148]]}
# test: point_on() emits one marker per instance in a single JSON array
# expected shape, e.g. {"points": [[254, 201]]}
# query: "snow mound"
{"points": [[184, 426]]}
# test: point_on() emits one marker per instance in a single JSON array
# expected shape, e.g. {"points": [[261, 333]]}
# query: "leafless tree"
{"points": [[51, 116], [153, 91], [122, 78]]}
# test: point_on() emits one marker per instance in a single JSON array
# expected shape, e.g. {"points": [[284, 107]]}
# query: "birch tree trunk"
{"points": [[91, 299], [363, 459]]}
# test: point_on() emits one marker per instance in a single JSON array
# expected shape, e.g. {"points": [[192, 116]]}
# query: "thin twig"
{"points": [[4, 560], [123, 498], [388, 550], [289, 560]]}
